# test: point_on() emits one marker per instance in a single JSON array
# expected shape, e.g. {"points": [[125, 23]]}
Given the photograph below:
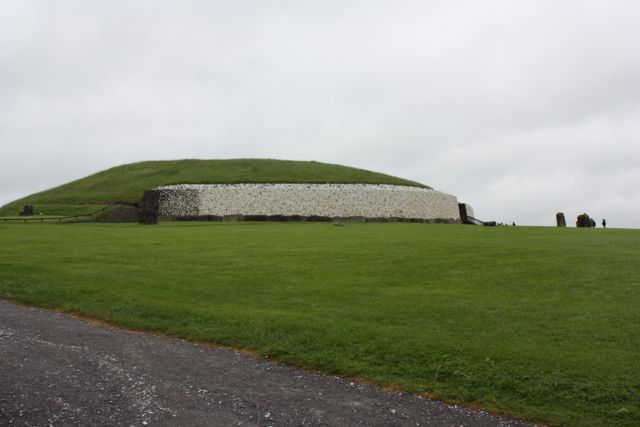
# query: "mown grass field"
{"points": [[538, 322], [128, 182]]}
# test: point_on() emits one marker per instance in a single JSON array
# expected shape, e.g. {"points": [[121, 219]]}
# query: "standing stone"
{"points": [[583, 221], [147, 216], [560, 220], [463, 213], [27, 210], [150, 205], [466, 213]]}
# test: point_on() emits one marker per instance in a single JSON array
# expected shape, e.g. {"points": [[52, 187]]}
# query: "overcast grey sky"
{"points": [[520, 108]]}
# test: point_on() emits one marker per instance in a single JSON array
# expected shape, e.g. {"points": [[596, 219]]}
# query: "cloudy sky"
{"points": [[520, 108]]}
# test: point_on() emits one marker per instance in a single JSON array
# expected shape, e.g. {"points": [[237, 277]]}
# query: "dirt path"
{"points": [[59, 370]]}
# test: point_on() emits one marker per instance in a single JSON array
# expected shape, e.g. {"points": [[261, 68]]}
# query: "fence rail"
{"points": [[61, 218]]}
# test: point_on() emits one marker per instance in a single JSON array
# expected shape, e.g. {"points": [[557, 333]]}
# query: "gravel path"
{"points": [[59, 370]]}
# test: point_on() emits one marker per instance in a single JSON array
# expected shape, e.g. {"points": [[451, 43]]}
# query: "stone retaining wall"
{"points": [[306, 201]]}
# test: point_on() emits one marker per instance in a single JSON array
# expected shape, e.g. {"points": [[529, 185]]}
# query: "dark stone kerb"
{"points": [[150, 207]]}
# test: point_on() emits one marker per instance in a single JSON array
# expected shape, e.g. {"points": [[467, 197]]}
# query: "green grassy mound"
{"points": [[128, 182], [540, 322]]}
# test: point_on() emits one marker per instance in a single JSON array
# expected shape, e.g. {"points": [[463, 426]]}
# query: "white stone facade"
{"points": [[307, 200]]}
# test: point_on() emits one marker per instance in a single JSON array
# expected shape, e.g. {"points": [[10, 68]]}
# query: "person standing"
{"points": [[604, 223]]}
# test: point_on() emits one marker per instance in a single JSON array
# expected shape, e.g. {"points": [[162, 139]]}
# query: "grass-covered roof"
{"points": [[128, 182]]}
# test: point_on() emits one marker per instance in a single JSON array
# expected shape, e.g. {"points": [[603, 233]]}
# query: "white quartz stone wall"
{"points": [[326, 200]]}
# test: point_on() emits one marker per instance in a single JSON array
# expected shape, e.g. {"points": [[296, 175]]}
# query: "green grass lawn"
{"points": [[533, 321]]}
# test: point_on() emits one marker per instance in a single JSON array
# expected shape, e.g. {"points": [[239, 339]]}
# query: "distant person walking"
{"points": [[604, 223]]}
